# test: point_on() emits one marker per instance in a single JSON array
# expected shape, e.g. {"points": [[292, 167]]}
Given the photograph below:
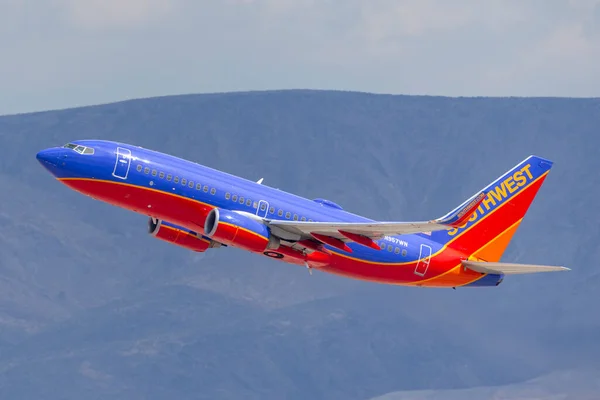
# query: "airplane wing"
{"points": [[509, 269], [374, 230], [365, 232]]}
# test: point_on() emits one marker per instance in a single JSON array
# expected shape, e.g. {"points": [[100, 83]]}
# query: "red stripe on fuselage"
{"points": [[176, 209], [441, 263]]}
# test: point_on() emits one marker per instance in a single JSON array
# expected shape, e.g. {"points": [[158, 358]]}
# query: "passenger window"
{"points": [[154, 172], [198, 186], [248, 202], [227, 196], [241, 200], [213, 191], [272, 210], [263, 207], [303, 218], [310, 220], [397, 250], [205, 189], [382, 245], [288, 215], [146, 170], [403, 252], [280, 213], [255, 205], [161, 175], [139, 168], [389, 247], [169, 177], [295, 217], [191, 184], [176, 180], [183, 181], [234, 198]]}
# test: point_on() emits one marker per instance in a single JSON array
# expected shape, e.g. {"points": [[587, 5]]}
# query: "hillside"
{"points": [[93, 307]]}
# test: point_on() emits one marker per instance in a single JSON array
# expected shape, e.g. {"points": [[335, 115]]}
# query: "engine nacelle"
{"points": [[179, 236], [241, 230]]}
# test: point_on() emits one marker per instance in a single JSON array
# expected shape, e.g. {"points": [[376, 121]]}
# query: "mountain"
{"points": [[91, 306]]}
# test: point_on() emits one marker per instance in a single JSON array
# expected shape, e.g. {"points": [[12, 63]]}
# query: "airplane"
{"points": [[198, 208]]}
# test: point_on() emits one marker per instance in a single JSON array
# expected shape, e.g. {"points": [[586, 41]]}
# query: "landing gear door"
{"points": [[122, 163]]}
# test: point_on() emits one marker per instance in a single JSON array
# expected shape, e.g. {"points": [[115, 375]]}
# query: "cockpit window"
{"points": [[79, 148]]}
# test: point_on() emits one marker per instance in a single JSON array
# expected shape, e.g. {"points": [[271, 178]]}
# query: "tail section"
{"points": [[489, 229]]}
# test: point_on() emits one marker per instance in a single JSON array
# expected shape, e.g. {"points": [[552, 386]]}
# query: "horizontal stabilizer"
{"points": [[509, 269]]}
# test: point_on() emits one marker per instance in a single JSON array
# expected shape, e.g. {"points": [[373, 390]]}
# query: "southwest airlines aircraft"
{"points": [[198, 208]]}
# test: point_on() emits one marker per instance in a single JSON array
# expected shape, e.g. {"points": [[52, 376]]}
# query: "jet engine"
{"points": [[179, 236], [243, 230]]}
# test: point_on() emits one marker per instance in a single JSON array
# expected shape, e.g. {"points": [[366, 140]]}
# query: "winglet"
{"points": [[462, 213]]}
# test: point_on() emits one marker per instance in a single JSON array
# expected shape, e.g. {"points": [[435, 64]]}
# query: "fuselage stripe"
{"points": [[137, 187]]}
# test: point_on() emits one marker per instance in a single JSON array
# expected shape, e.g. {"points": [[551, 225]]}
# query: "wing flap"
{"points": [[510, 268]]}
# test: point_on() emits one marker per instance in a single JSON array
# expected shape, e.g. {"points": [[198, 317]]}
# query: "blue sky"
{"points": [[64, 53]]}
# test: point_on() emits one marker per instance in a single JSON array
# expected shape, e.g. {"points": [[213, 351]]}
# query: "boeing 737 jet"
{"points": [[199, 208]]}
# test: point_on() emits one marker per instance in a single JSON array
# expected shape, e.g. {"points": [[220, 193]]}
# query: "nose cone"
{"points": [[50, 158]]}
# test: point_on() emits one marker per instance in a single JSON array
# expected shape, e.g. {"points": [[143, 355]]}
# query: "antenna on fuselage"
{"points": [[260, 181]]}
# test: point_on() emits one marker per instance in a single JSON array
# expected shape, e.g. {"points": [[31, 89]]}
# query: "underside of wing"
{"points": [[509, 268]]}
